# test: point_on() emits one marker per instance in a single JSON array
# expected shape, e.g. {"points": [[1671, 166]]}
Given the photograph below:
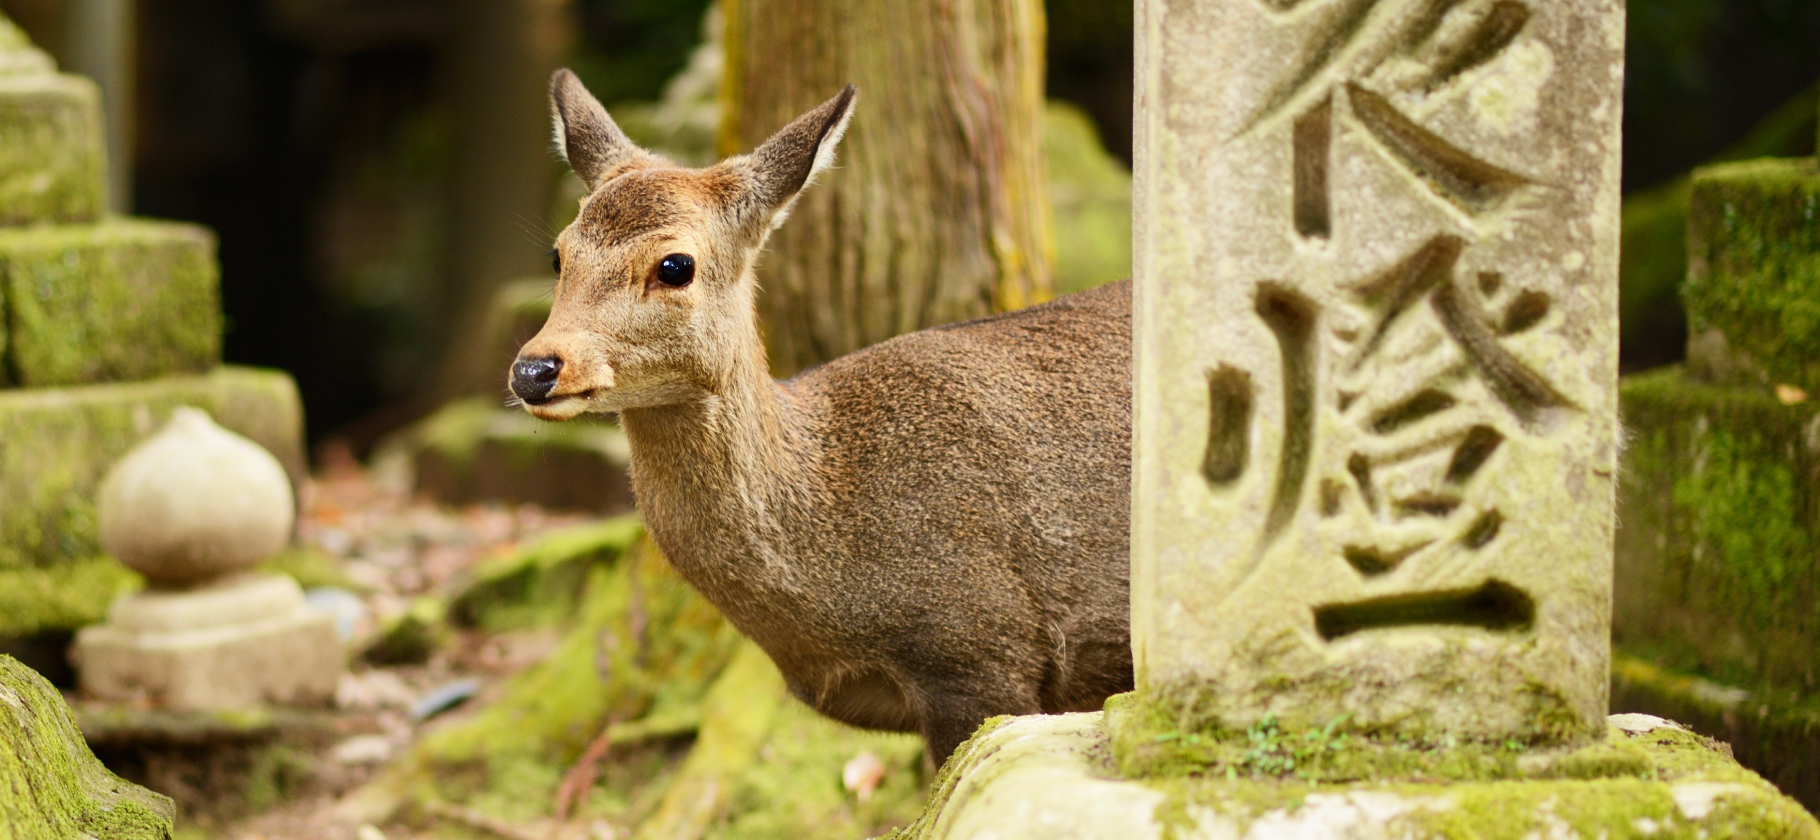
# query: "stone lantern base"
{"points": [[1055, 776], [246, 642]]}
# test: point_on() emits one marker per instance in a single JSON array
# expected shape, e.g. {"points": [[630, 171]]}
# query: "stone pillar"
{"points": [[1376, 308]]}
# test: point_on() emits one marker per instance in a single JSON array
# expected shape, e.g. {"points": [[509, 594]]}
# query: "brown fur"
{"points": [[921, 534]]}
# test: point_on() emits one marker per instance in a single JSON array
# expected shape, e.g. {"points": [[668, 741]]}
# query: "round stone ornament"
{"points": [[195, 502]]}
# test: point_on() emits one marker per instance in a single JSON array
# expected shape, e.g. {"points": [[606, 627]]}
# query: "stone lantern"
{"points": [[193, 509]]}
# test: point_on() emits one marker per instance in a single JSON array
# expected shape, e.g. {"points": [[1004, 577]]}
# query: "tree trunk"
{"points": [[501, 55], [935, 211]]}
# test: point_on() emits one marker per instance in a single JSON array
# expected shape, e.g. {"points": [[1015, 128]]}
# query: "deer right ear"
{"points": [[588, 139]]}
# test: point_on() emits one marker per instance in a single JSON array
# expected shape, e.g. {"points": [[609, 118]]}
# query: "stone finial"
{"points": [[195, 502]]}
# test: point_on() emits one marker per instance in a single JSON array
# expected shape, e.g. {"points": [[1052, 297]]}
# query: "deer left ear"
{"points": [[791, 159]]}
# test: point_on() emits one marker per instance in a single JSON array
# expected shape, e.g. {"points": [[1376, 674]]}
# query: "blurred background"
{"points": [[378, 169]]}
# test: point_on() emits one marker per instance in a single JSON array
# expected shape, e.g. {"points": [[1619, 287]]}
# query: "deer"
{"points": [[921, 534]]}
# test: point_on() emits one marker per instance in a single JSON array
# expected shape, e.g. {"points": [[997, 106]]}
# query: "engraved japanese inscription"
{"points": [[1376, 313]]}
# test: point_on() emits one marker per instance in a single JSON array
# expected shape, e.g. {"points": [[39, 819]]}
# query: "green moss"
{"points": [[64, 597], [1754, 264], [122, 300], [52, 152], [1090, 196], [1149, 740], [644, 647], [1718, 501], [51, 785], [412, 636], [540, 584], [766, 766], [57, 443]]}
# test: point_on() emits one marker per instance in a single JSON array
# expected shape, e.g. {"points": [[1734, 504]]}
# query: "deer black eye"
{"points": [[676, 270], [555, 260]]}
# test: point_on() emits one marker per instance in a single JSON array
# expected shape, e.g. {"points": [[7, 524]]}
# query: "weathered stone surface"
{"points": [[1753, 273], [1375, 408], [57, 443], [62, 597], [1053, 777], [52, 148], [1716, 529], [1773, 730], [195, 502], [124, 299], [51, 786], [242, 643], [475, 450], [17, 55]]}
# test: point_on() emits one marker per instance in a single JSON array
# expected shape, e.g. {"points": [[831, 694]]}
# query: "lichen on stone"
{"points": [[51, 785]]}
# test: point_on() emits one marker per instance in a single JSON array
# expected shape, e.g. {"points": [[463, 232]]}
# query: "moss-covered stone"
{"points": [[541, 584], [17, 55], [121, 300], [56, 443], [45, 599], [1772, 729], [51, 785], [1753, 282], [474, 450], [1055, 776], [52, 149], [1718, 524], [644, 647]]}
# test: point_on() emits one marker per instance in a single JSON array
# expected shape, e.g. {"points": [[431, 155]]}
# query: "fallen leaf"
{"points": [[862, 773]]}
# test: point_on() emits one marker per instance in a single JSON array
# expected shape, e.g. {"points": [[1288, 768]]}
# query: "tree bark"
{"points": [[935, 211]]}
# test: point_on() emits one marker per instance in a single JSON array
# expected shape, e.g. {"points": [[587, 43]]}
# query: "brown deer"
{"points": [[921, 534]]}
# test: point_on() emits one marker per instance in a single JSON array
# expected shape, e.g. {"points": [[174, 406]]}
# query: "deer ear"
{"points": [[588, 139], [792, 158]]}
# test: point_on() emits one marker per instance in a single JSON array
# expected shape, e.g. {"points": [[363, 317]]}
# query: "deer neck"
{"points": [[720, 479]]}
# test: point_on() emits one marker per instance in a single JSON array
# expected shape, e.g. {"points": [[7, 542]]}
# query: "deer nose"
{"points": [[532, 379]]}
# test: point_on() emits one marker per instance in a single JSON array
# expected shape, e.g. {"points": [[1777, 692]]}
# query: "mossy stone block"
{"points": [[56, 443], [52, 149], [51, 786], [126, 299], [1753, 273], [1718, 512], [474, 450], [63, 597], [1049, 776], [1775, 731]]}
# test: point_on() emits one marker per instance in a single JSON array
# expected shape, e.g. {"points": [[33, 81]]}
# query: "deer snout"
{"points": [[533, 378]]}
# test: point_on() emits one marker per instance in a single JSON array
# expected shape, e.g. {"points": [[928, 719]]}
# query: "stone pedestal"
{"points": [[238, 644]]}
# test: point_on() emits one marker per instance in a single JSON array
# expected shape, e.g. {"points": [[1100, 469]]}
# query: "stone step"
{"points": [[56, 443], [53, 158], [1753, 274], [122, 300], [1716, 538]]}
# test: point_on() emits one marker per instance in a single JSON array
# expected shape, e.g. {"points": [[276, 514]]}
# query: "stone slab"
{"points": [[1774, 731], [1717, 536], [240, 644], [51, 785], [122, 300], [1375, 415], [53, 157], [1052, 777], [1753, 273], [56, 443], [475, 450]]}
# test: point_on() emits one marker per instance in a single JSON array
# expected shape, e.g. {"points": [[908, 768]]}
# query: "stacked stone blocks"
{"points": [[107, 324], [1718, 548]]}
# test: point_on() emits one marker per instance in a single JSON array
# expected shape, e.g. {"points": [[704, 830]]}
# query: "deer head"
{"points": [[654, 288]]}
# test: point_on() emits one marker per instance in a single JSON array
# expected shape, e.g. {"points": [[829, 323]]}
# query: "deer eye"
{"points": [[555, 260], [676, 270]]}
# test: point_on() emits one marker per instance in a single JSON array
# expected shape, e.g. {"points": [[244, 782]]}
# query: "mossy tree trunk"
{"points": [[935, 211]]}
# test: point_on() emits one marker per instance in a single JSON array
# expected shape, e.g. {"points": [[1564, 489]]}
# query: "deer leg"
{"points": [[951, 717]]}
